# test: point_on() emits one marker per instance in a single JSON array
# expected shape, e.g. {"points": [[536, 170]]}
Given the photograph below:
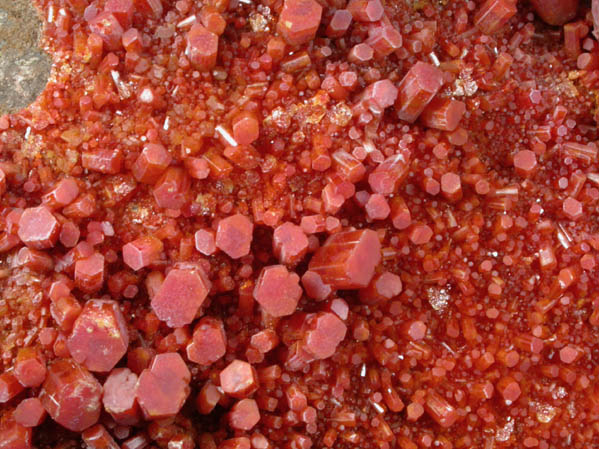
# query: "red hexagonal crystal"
{"points": [[246, 128], [572, 208], [414, 330], [59, 288], [197, 167], [349, 168], [9, 386], [30, 412], [171, 190], [380, 95], [377, 207], [213, 20], [119, 396], [89, 273], [208, 398], [180, 296], [451, 186], [339, 23], [107, 26], [97, 437], [443, 114], [244, 156], [265, 340], [205, 241], [494, 14], [401, 217], [65, 310], [69, 234], [14, 435], [414, 411], [347, 259], [244, 415], [83, 207], [420, 234], [30, 367], [35, 260], [360, 53], [440, 410], [234, 235], [290, 243], [202, 47], [296, 399], [64, 193], [525, 162], [108, 162], [509, 388], [151, 163], [209, 342], [324, 332], [38, 228], [299, 20], [99, 338], [163, 387], [483, 390], [142, 252], [122, 10], [339, 307], [383, 287], [315, 287], [71, 395], [170, 363], [384, 39], [277, 290], [366, 10], [388, 176], [239, 379], [417, 89], [311, 224], [570, 354], [132, 41]]}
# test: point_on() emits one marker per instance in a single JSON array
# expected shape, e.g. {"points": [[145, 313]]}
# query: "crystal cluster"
{"points": [[304, 224]]}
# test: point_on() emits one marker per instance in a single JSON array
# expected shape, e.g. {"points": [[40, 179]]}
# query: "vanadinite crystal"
{"points": [[163, 387], [348, 259], [71, 395], [99, 338], [119, 396], [304, 224], [180, 296]]}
